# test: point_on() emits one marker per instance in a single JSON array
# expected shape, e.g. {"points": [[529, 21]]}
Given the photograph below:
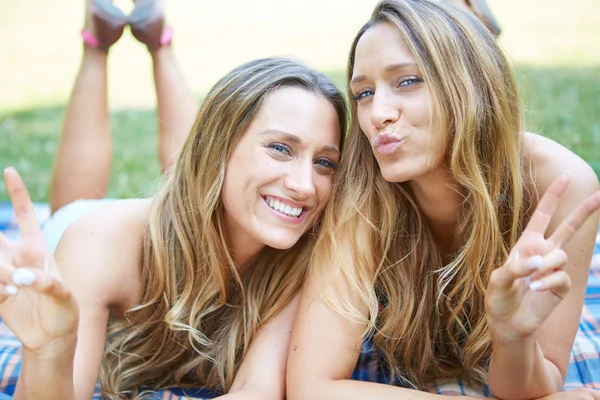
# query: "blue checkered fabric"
{"points": [[584, 366], [583, 372]]}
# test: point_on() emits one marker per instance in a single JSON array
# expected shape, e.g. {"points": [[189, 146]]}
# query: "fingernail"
{"points": [[534, 262], [23, 277], [10, 289], [536, 285]]}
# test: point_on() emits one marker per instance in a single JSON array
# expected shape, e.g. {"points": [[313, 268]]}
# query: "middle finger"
{"points": [[575, 220]]}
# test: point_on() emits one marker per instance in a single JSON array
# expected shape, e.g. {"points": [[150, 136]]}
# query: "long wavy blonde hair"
{"points": [[197, 313], [427, 315]]}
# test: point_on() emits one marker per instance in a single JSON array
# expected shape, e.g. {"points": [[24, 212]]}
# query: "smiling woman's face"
{"points": [[394, 106], [281, 171]]}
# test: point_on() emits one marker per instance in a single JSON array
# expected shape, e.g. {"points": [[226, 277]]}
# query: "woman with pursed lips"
{"points": [[459, 248]]}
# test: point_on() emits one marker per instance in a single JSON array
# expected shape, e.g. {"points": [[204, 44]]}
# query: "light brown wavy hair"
{"points": [[198, 314], [427, 316]]}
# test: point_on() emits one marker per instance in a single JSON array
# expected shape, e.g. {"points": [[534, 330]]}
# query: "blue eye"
{"points": [[281, 148], [412, 80], [361, 95], [326, 163]]}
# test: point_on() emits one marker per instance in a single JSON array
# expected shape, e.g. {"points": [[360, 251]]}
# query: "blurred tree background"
{"points": [[554, 47]]}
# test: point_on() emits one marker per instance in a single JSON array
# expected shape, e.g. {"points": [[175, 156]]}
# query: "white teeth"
{"points": [[284, 208], [296, 211]]}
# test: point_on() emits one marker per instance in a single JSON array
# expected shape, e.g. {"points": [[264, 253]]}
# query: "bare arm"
{"points": [[92, 266], [532, 360], [324, 351], [262, 372], [59, 316]]}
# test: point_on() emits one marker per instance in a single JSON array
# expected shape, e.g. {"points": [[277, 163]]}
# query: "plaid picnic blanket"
{"points": [[584, 366]]}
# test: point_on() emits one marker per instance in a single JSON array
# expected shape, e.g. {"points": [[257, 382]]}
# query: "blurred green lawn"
{"points": [[554, 48]]}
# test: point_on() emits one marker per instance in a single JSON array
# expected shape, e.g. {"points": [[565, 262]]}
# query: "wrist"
{"points": [[503, 335], [48, 372], [54, 350]]}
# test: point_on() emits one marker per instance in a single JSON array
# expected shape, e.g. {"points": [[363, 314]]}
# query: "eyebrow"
{"points": [[293, 138], [389, 68]]}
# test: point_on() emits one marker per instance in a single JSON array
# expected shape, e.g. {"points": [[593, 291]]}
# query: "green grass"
{"points": [[553, 47], [564, 104]]}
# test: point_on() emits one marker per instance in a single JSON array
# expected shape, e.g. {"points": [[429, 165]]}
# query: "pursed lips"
{"points": [[386, 143]]}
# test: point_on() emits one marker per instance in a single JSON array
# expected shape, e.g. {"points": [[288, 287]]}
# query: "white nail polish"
{"points": [[23, 277], [534, 262], [10, 289], [536, 285]]}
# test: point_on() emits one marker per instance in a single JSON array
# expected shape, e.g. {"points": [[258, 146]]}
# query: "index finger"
{"points": [[548, 204], [3, 242], [22, 205]]}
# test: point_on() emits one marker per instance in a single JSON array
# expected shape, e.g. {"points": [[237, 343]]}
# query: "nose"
{"points": [[384, 111], [300, 181]]}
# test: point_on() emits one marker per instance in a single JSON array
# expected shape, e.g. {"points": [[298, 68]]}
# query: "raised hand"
{"points": [[533, 281], [34, 301]]}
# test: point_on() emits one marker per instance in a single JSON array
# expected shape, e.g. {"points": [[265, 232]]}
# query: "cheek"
{"points": [[323, 186], [229, 195], [364, 120], [234, 178], [418, 114]]}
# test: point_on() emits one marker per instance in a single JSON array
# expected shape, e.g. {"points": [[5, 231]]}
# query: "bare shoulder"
{"points": [[549, 159], [100, 253]]}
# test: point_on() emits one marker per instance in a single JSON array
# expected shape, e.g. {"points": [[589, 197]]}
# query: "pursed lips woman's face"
{"points": [[394, 106]]}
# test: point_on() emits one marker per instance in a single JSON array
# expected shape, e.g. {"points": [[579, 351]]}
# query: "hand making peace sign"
{"points": [[34, 301], [533, 281]]}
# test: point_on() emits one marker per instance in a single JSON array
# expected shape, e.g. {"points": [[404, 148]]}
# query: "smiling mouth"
{"points": [[284, 209]]}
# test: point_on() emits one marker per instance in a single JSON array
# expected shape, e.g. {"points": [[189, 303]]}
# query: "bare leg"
{"points": [[82, 163], [176, 106], [481, 9]]}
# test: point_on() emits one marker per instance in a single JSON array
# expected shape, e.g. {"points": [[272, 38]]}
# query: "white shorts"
{"points": [[54, 227]]}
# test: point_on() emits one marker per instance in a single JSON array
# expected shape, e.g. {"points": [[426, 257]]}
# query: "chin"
{"points": [[396, 172], [282, 242], [393, 176]]}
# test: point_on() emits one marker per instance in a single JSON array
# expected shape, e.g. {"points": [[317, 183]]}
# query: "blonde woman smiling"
{"points": [[197, 287], [438, 247]]}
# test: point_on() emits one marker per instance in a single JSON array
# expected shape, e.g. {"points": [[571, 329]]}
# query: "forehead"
{"points": [[300, 112], [381, 45]]}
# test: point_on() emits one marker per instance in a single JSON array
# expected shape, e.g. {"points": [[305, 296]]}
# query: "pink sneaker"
{"points": [[104, 24], [147, 21]]}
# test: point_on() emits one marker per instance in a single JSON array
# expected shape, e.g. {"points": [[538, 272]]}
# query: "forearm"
{"points": [[252, 394], [47, 377], [519, 370], [348, 389]]}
